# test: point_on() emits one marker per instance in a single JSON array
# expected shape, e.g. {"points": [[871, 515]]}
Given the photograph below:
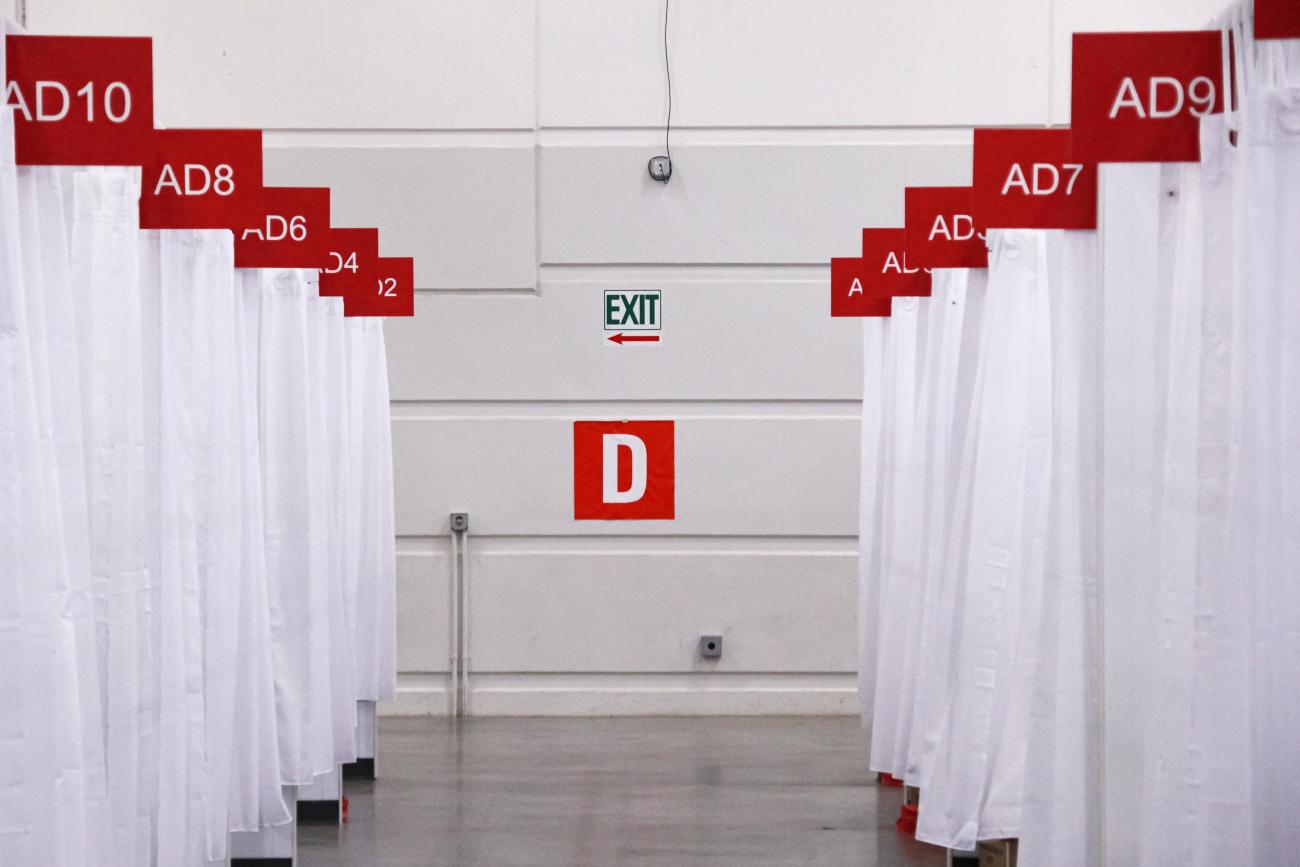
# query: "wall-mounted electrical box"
{"points": [[711, 646]]}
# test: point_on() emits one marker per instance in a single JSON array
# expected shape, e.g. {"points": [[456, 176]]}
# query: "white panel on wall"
{"points": [[785, 63], [325, 64], [771, 204], [467, 215], [644, 609], [1082, 16], [753, 339], [424, 587], [736, 475]]}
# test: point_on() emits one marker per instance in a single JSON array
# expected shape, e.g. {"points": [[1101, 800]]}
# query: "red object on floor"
{"points": [[345, 808], [906, 823], [889, 780]]}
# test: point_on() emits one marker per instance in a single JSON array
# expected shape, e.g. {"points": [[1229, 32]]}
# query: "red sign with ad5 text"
{"points": [[941, 229]]}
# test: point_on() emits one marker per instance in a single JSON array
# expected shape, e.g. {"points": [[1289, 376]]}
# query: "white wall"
{"points": [[503, 144]]}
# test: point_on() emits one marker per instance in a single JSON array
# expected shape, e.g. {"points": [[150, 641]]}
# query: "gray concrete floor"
{"points": [[644, 791]]}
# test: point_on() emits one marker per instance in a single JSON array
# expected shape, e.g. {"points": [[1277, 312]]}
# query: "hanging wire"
{"points": [[668, 74]]}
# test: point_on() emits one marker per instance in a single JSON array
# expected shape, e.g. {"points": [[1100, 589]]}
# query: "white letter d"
{"points": [[636, 445]]}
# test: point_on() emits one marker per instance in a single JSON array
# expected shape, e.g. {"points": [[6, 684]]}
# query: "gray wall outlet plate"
{"points": [[459, 522], [711, 646]]}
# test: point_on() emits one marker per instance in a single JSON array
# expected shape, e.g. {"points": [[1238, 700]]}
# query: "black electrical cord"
{"points": [[668, 74]]}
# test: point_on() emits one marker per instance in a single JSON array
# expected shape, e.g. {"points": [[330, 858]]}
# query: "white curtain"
{"points": [[1209, 692], [917, 357], [256, 795], [107, 306], [297, 563], [1266, 526], [196, 529], [979, 537], [374, 572], [329, 383], [961, 295], [51, 763]]}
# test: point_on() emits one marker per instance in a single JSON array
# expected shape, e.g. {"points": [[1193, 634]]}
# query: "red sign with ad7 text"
{"points": [[1026, 179]]}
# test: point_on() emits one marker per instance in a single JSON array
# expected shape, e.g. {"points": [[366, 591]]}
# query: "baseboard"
{"points": [[691, 694]]}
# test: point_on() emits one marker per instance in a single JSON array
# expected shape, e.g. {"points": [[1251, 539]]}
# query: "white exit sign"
{"points": [[633, 317]]}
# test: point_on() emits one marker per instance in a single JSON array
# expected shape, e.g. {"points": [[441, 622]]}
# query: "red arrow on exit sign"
{"points": [[622, 338]]}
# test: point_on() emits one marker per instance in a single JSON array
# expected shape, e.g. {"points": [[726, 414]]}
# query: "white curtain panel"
{"points": [[256, 795], [107, 304], [960, 293], [898, 477], [374, 573], [297, 533], [979, 538], [81, 795], [330, 390], [48, 778], [972, 788], [1268, 547], [1060, 819], [1205, 691], [875, 335], [920, 348]]}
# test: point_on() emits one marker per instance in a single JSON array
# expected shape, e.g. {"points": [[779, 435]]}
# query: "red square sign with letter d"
{"points": [[623, 471]]}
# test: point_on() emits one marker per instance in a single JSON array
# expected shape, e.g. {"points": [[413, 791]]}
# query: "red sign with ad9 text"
{"points": [[80, 100], [1140, 97], [1026, 179]]}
